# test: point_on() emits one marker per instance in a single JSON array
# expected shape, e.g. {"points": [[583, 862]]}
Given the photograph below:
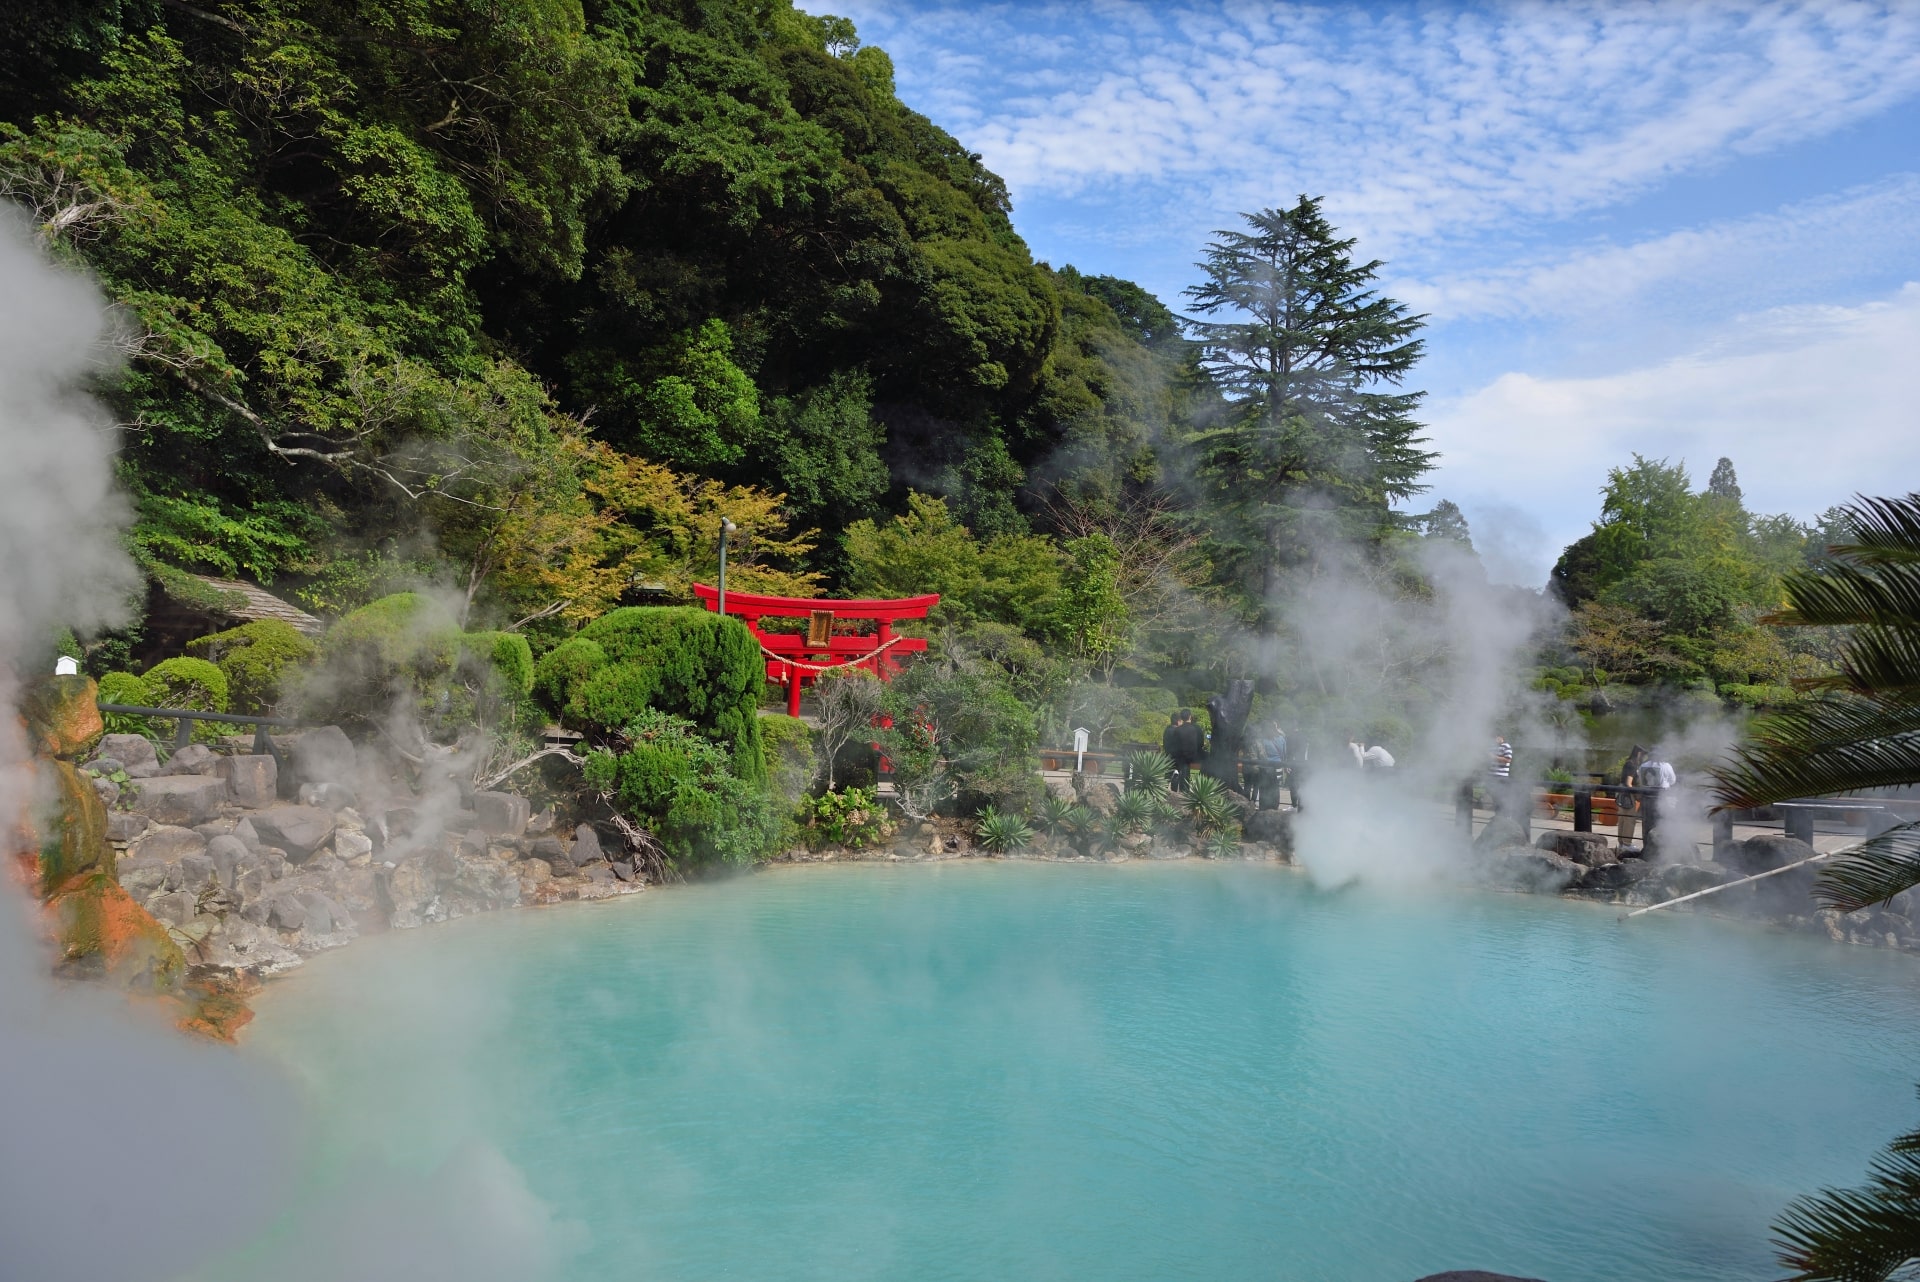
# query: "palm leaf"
{"points": [[1858, 1235], [1884, 531], [1872, 872]]}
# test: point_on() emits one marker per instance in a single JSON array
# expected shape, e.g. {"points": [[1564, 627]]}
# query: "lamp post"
{"points": [[726, 527]]}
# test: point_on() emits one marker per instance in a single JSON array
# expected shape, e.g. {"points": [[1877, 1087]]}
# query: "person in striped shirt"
{"points": [[1501, 767]]}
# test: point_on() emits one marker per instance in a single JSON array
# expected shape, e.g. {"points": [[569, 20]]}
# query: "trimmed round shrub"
{"points": [[256, 658], [564, 668], [510, 657], [185, 683], [679, 660]]}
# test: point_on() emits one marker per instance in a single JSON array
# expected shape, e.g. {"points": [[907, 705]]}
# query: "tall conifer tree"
{"points": [[1319, 441]]}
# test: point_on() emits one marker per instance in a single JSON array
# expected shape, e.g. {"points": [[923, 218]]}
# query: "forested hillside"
{"points": [[525, 294]]}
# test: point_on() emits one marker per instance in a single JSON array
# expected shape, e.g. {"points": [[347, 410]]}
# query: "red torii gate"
{"points": [[796, 658]]}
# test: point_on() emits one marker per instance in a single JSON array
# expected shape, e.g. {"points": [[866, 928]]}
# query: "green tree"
{"points": [[1093, 608], [1311, 446]]}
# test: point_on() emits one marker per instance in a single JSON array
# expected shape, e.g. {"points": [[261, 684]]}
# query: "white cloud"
{"points": [[1734, 262], [1813, 404], [1420, 124]]}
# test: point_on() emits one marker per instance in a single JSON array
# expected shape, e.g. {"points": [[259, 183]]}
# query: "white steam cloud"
{"points": [[129, 1150]]}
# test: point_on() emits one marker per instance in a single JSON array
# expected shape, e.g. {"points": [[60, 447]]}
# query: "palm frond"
{"points": [[1842, 594], [1866, 1234], [1885, 531], [1872, 872], [1824, 746]]}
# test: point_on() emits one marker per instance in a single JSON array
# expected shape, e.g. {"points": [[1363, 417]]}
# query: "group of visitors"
{"points": [[1185, 743], [1262, 766]]}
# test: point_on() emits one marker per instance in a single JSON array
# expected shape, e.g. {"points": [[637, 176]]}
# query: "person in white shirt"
{"points": [[1656, 771], [1359, 755], [1376, 758]]}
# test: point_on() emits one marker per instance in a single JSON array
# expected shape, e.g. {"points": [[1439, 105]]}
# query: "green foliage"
{"points": [[1133, 813], [510, 656], [1012, 579], [960, 733], [788, 743], [1867, 1234], [185, 683], [1150, 772], [687, 404], [1209, 806], [1002, 834], [128, 690], [1055, 815], [852, 817], [1093, 610], [683, 661], [256, 658], [683, 787], [1857, 734], [1309, 448]]}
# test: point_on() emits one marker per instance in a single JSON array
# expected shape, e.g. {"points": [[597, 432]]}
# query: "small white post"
{"points": [[1079, 750]]}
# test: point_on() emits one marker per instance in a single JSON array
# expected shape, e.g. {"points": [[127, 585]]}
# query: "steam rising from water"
{"points": [[128, 1150], [1359, 635]]}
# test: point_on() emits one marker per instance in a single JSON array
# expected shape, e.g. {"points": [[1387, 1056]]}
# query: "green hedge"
{"points": [[256, 658], [408, 646], [683, 661]]}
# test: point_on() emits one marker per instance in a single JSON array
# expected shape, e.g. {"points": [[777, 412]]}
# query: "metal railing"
{"points": [[184, 719]]}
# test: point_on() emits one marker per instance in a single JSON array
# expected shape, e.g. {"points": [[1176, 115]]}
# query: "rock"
{"points": [[1275, 827], [248, 834], [194, 759], [1763, 854], [108, 790], [1588, 849], [180, 799], [1675, 880], [407, 894], [501, 814], [1134, 845], [328, 796], [252, 781], [1062, 788], [63, 716], [352, 846], [287, 912], [1618, 875], [623, 870], [542, 823], [124, 826], [229, 854], [472, 842], [174, 907], [143, 878], [586, 846], [298, 830], [196, 870], [105, 766], [1524, 868], [535, 871], [168, 844], [1099, 796], [598, 873], [135, 752], [215, 828], [551, 849], [324, 755]]}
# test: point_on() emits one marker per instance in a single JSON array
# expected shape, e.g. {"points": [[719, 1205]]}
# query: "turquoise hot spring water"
{"points": [[993, 1070]]}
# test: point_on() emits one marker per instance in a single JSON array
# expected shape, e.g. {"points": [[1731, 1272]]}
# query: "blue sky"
{"points": [[1686, 230]]}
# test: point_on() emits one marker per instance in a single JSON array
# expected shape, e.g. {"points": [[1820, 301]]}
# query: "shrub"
{"points": [[127, 689], [1002, 834], [852, 817], [187, 683], [510, 657], [1150, 772], [788, 744], [1055, 815], [256, 658], [1132, 813], [962, 733], [680, 785], [678, 660], [1209, 806]]}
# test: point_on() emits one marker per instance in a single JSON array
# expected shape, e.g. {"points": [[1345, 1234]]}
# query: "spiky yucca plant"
{"points": [[1861, 727], [1055, 815], [1209, 806], [1002, 834], [1150, 772]]}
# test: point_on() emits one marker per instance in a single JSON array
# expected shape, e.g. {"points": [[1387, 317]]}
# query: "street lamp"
{"points": [[726, 527]]}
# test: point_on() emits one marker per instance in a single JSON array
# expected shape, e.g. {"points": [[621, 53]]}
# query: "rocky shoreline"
{"points": [[252, 863]]}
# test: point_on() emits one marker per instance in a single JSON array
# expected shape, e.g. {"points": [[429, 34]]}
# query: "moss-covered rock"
{"points": [[63, 716], [73, 826], [103, 933]]}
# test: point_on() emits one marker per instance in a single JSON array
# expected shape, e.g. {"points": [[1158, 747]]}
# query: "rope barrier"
{"points": [[868, 657]]}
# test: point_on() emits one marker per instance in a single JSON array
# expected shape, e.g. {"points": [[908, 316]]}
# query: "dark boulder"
{"points": [[1473, 1275], [1763, 854], [1588, 849]]}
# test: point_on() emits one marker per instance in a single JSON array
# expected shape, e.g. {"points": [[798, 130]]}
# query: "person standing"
{"points": [[1500, 773], [1172, 741], [1629, 804], [1193, 745]]}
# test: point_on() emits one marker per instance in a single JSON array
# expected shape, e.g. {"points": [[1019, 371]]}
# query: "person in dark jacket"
{"points": [[1172, 742]]}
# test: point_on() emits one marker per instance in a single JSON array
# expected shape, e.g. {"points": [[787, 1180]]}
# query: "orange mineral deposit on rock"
{"points": [[63, 716]]}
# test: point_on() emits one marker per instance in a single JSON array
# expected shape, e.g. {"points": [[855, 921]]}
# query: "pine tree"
{"points": [[1723, 483], [1316, 446]]}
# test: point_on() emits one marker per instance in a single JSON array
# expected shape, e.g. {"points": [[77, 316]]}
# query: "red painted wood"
{"points": [[745, 604], [751, 607]]}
